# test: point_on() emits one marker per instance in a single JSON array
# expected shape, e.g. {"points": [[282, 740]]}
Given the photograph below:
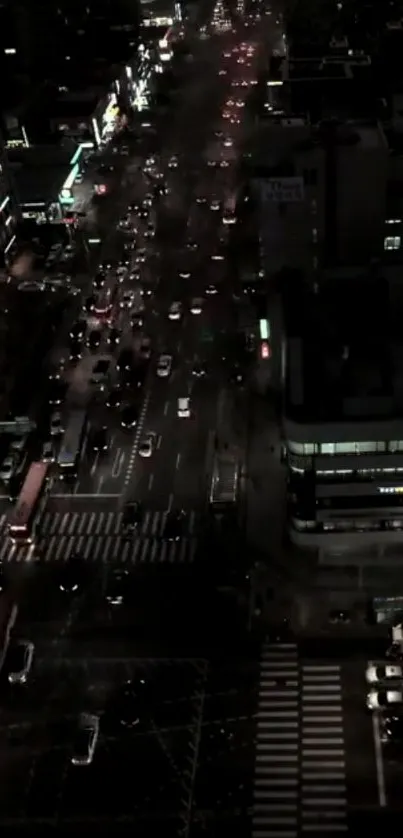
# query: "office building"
{"points": [[343, 413], [9, 209]]}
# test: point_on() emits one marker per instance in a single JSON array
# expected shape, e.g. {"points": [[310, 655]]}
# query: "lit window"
{"points": [[10, 51], [392, 242], [393, 221], [314, 235]]}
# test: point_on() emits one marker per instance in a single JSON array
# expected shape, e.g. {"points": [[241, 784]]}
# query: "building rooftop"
{"points": [[40, 171], [27, 324], [345, 348]]}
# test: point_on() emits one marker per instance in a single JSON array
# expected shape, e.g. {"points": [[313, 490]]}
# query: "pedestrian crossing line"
{"points": [[107, 523], [300, 777], [323, 777], [276, 783], [103, 550]]}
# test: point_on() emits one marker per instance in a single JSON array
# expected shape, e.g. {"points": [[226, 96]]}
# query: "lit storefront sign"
{"points": [[79, 152], [110, 116], [97, 134], [66, 196], [158, 21]]}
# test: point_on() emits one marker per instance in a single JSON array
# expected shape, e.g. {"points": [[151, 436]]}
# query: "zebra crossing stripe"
{"points": [[300, 777], [104, 550]]}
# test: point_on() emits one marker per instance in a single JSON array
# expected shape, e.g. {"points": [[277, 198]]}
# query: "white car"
{"points": [[146, 446], [383, 672], [184, 274], [140, 256], [48, 452], [224, 164], [228, 142], [215, 205], [382, 699], [164, 366], [20, 661], [184, 407], [173, 162], [18, 444], [86, 739], [175, 311], [211, 290], [196, 305], [127, 298], [56, 424], [7, 469]]}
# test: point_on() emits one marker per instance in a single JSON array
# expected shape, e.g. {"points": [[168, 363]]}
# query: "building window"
{"points": [[393, 221], [395, 445], [392, 242]]}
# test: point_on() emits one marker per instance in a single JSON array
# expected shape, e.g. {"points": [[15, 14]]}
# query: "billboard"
{"points": [[279, 190]]}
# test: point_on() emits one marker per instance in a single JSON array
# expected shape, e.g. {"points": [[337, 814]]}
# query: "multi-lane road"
{"points": [[185, 257]]}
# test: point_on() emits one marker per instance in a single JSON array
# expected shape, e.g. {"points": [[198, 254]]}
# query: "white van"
{"points": [[184, 407]]}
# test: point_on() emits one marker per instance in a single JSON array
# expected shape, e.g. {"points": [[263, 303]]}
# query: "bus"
{"points": [[72, 443], [8, 617], [224, 483], [26, 513]]}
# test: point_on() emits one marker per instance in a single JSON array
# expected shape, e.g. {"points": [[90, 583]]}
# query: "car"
{"points": [[175, 311], [381, 699], [132, 516], [124, 262], [130, 703], [76, 350], [196, 305], [116, 586], [73, 575], [78, 330], [56, 424], [19, 661], [211, 290], [173, 162], [125, 359], [19, 444], [94, 339], [198, 370], [86, 739], [183, 408], [224, 164], [184, 274], [137, 321], [99, 281], [215, 205], [164, 366], [146, 446], [145, 349], [114, 398], [100, 439], [174, 526], [7, 468], [149, 232], [201, 199], [114, 337], [101, 372], [191, 245], [89, 303], [129, 416], [57, 392], [48, 452], [147, 200], [125, 222], [383, 672], [392, 730], [127, 298], [140, 256]]}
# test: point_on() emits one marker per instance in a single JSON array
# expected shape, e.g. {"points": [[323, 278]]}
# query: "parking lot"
{"points": [[140, 773]]}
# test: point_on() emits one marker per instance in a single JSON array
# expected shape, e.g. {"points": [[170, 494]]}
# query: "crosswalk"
{"points": [[300, 772], [97, 537], [105, 523]]}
